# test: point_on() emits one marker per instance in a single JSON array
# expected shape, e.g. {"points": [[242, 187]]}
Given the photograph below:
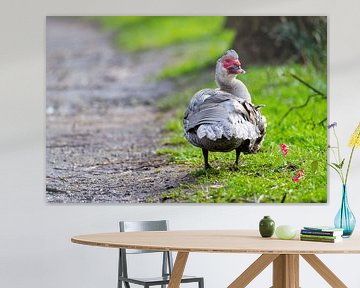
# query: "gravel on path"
{"points": [[102, 127]]}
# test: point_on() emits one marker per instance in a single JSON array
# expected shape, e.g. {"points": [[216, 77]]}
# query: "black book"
{"points": [[321, 233]]}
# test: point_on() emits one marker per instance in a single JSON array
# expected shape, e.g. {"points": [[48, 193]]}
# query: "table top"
{"points": [[217, 241]]}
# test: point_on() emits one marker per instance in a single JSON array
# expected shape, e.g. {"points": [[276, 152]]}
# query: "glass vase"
{"points": [[345, 219]]}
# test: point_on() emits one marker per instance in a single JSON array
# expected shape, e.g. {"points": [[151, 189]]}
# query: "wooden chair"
{"points": [[167, 262]]}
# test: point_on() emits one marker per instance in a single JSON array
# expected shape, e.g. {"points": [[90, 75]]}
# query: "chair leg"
{"points": [[126, 284], [201, 283], [119, 270], [165, 266]]}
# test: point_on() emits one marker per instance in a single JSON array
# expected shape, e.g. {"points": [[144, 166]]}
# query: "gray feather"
{"points": [[206, 116]]}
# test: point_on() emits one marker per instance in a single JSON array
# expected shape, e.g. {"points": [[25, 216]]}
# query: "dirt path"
{"points": [[102, 129]]}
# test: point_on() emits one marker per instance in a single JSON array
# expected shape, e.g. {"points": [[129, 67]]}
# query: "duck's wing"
{"points": [[224, 115], [195, 105], [213, 106], [198, 99]]}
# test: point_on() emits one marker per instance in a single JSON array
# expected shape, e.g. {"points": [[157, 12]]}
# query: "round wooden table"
{"points": [[284, 254]]}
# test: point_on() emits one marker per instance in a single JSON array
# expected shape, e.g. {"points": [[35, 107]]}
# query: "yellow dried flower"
{"points": [[355, 137]]}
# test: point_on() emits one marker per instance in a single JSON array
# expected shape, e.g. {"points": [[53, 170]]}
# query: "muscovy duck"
{"points": [[224, 119]]}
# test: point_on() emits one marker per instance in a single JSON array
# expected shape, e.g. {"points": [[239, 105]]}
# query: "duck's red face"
{"points": [[233, 66]]}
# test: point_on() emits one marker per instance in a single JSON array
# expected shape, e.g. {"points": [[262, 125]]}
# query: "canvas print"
{"points": [[184, 109]]}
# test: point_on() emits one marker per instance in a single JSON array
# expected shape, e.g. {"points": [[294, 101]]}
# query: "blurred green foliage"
{"points": [[204, 54], [202, 38], [141, 32]]}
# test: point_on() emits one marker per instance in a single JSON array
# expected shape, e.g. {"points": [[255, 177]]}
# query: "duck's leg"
{"points": [[238, 150], [206, 158]]}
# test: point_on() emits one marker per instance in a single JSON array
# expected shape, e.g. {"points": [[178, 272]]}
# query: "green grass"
{"points": [[267, 175]]}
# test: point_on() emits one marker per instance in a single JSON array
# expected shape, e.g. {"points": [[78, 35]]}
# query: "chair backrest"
{"points": [[133, 226]]}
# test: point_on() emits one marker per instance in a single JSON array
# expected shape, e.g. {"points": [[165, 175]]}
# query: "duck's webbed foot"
{"points": [[206, 159]]}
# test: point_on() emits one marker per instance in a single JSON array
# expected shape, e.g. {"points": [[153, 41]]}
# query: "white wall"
{"points": [[35, 248]]}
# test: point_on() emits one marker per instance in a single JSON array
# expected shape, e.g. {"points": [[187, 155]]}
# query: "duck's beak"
{"points": [[236, 68], [241, 71]]}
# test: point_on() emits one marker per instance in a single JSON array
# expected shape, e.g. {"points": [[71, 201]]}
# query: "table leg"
{"points": [[178, 270], [324, 271], [253, 270], [286, 271]]}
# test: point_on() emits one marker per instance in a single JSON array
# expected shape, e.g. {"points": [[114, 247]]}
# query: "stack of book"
{"points": [[321, 234]]}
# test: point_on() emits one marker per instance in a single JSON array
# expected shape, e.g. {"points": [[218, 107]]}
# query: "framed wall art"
{"points": [[185, 109]]}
